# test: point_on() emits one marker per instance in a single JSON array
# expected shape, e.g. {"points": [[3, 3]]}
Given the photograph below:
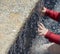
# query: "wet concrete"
{"points": [[13, 14], [18, 32], [28, 38]]}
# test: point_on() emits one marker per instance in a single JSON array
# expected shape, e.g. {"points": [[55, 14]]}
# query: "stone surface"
{"points": [[41, 46], [13, 14], [50, 48]]}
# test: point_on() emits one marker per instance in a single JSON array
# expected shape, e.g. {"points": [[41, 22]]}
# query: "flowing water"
{"points": [[28, 41]]}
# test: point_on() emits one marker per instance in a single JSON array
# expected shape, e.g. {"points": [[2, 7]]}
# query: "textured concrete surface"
{"points": [[13, 14]]}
